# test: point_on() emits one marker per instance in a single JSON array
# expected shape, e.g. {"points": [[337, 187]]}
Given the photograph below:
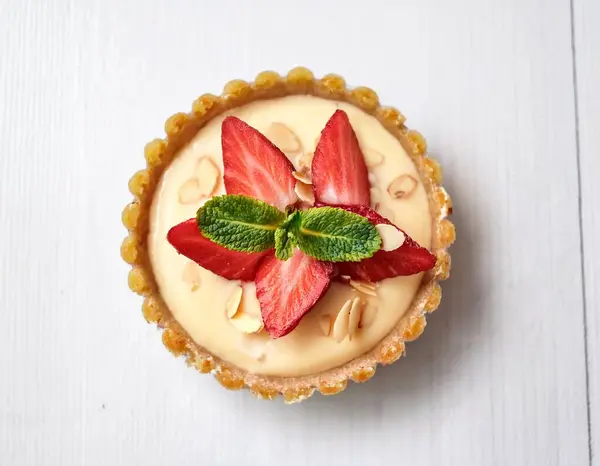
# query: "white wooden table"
{"points": [[507, 93]]}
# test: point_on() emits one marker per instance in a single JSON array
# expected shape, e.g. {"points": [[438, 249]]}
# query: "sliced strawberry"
{"points": [[408, 259], [254, 166], [187, 239], [286, 290], [339, 171]]}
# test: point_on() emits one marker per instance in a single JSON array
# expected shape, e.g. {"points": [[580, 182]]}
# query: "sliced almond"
{"points": [[191, 275], [241, 313], [254, 346], [283, 137], [208, 174], [190, 191], [233, 304], [202, 184], [369, 285], [325, 324], [345, 278], [402, 187], [257, 353], [363, 287], [367, 316], [340, 326], [372, 178], [250, 302], [372, 157], [355, 311], [386, 212], [246, 323], [391, 237], [305, 192], [305, 160], [303, 175]]}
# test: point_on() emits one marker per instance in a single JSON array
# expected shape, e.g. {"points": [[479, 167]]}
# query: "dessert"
{"points": [[289, 235]]}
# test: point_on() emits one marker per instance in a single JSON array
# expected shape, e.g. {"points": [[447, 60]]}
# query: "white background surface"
{"points": [[507, 94]]}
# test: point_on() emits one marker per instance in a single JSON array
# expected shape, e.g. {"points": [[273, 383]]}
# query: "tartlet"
{"points": [[181, 129]]}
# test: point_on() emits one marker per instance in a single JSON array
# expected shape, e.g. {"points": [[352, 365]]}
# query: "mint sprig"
{"points": [[284, 236], [328, 234], [336, 235], [239, 223]]}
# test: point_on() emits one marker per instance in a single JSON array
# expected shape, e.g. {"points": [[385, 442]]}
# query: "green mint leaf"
{"points": [[284, 237], [335, 235], [239, 223]]}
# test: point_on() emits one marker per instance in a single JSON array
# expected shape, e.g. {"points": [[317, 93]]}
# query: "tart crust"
{"points": [[180, 129]]}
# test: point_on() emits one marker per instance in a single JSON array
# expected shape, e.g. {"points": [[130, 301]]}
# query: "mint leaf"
{"points": [[335, 235], [284, 237], [239, 223]]}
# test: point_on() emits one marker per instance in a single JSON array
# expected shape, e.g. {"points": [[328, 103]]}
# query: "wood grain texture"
{"points": [[587, 67], [499, 376]]}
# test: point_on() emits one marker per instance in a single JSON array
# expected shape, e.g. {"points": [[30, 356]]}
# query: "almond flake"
{"points": [[249, 300], [208, 174], [283, 137], [402, 187], [191, 274], [246, 323], [363, 287], [190, 191], [202, 184], [233, 305], [386, 212], [340, 326], [372, 157], [391, 237], [355, 312], [305, 160], [345, 278], [252, 311], [367, 315], [254, 346], [302, 175], [372, 178], [369, 285], [305, 192], [257, 353], [325, 324]]}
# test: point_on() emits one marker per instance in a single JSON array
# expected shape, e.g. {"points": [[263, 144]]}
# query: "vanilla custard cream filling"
{"points": [[198, 298]]}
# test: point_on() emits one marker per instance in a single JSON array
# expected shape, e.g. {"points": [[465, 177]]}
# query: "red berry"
{"points": [[254, 167], [408, 259], [287, 290], [187, 239], [339, 171]]}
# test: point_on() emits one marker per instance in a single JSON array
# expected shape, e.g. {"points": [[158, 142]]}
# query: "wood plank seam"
{"points": [[581, 235]]}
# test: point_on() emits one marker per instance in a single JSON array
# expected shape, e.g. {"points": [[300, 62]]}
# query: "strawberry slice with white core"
{"points": [[254, 167], [187, 239], [287, 290], [409, 259], [339, 172]]}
